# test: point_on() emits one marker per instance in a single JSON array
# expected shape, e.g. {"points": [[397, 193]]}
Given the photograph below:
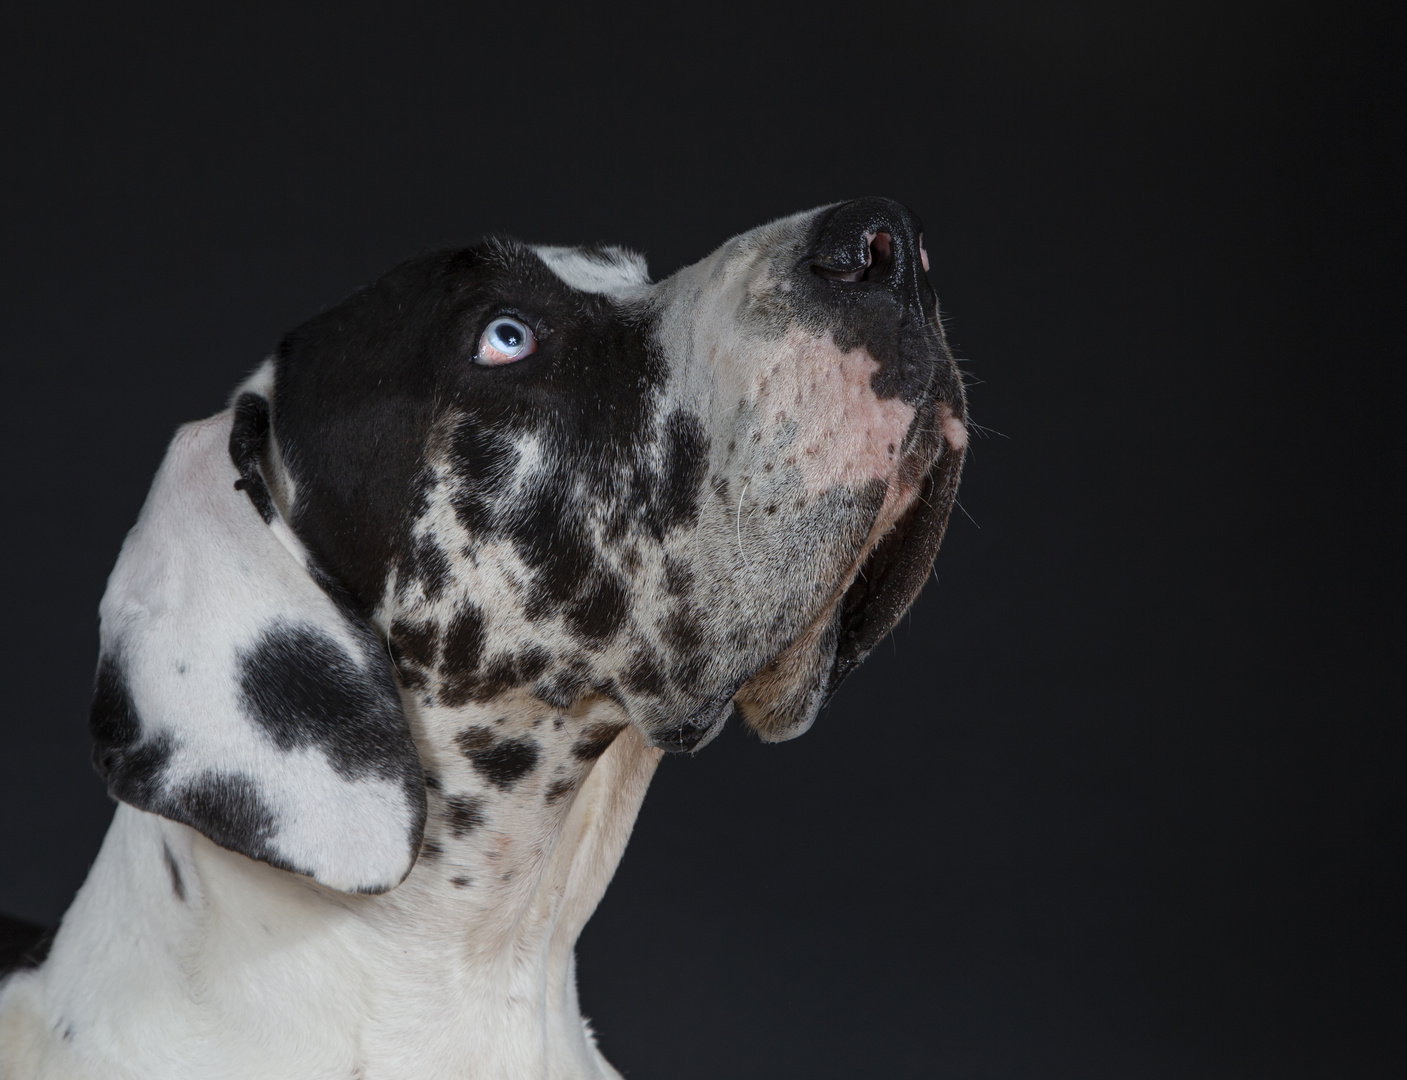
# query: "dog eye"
{"points": [[504, 340]]}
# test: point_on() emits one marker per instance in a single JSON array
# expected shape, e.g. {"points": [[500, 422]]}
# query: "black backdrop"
{"points": [[1123, 798]]}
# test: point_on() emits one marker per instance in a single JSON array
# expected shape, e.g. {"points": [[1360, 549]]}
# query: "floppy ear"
{"points": [[237, 692]]}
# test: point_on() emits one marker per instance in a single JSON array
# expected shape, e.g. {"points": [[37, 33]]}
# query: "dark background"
{"points": [[1124, 796]]}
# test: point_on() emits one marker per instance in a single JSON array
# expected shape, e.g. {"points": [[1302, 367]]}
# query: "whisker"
{"points": [[964, 511], [742, 556]]}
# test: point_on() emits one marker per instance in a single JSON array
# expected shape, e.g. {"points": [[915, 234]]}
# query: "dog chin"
{"points": [[783, 699]]}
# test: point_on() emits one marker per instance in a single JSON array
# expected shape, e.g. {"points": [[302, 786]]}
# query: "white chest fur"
{"points": [[257, 972]]}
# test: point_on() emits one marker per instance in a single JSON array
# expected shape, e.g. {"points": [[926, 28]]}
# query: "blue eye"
{"points": [[504, 340]]}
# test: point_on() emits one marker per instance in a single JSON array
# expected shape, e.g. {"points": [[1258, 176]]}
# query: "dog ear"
{"points": [[238, 692]]}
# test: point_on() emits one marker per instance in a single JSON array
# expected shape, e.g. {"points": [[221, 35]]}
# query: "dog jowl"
{"points": [[504, 481]]}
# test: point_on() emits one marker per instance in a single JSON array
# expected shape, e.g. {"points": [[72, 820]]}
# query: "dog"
{"points": [[398, 639]]}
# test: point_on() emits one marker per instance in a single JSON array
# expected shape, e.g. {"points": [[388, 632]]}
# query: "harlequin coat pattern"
{"points": [[394, 647]]}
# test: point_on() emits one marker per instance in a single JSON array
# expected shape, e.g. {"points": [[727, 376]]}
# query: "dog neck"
{"points": [[209, 963]]}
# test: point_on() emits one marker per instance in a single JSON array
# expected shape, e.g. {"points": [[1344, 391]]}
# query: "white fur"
{"points": [[199, 578], [260, 973], [615, 272]]}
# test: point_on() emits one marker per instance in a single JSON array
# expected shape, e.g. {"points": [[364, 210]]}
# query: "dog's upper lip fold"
{"points": [[896, 567]]}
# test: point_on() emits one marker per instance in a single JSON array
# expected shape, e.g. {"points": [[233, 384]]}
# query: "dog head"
{"points": [[514, 474]]}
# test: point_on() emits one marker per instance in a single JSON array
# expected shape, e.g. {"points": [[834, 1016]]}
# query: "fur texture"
{"points": [[395, 646]]}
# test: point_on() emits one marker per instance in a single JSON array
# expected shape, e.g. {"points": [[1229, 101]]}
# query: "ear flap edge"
{"points": [[234, 694]]}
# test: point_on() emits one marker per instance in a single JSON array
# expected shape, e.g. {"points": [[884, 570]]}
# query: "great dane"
{"points": [[391, 654]]}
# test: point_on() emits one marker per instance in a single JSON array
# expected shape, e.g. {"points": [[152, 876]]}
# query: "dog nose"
{"points": [[874, 242]]}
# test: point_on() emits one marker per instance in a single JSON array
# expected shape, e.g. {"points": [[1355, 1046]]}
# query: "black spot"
{"points": [[461, 882], [177, 885], [431, 851], [461, 653], [532, 662], [689, 670], [113, 720], [464, 641], [229, 810], [482, 460], [595, 740], [598, 614], [685, 464], [682, 632], [412, 644], [562, 689], [432, 782], [678, 578], [423, 561], [551, 542], [304, 690], [248, 434], [504, 762], [499, 674], [559, 789], [644, 675], [464, 814], [134, 775], [412, 678]]}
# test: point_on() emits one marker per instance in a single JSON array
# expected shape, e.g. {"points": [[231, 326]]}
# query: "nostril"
{"points": [[879, 256], [880, 245]]}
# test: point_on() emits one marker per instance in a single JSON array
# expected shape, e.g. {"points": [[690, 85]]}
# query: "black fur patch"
{"points": [[424, 561], [413, 646], [686, 465], [112, 720], [461, 650], [229, 810], [598, 613], [362, 390], [502, 762], [560, 789], [248, 436], [304, 690], [678, 578], [595, 741], [464, 814], [645, 675]]}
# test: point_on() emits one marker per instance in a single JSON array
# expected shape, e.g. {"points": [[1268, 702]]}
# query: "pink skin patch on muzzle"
{"points": [[844, 434]]}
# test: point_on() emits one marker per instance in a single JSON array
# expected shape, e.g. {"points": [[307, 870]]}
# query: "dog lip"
{"points": [[898, 562]]}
